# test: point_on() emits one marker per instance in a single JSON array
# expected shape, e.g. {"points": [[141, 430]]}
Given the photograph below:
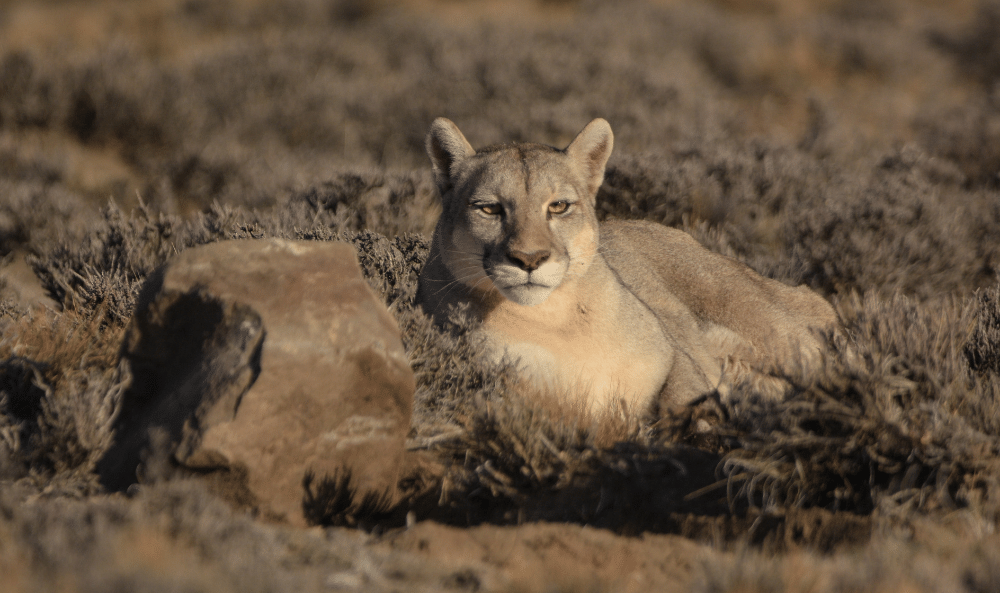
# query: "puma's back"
{"points": [[626, 309], [746, 320]]}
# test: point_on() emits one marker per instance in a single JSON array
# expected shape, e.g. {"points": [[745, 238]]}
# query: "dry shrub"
{"points": [[983, 348], [106, 266], [968, 136], [530, 456], [845, 150], [891, 226], [36, 213], [251, 122], [899, 423], [334, 500], [968, 133], [176, 536], [61, 391], [975, 46], [898, 426], [391, 205], [891, 564]]}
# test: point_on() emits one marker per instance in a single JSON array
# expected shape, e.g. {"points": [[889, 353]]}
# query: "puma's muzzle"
{"points": [[528, 262]]}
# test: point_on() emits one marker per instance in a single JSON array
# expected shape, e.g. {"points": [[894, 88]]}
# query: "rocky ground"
{"points": [[850, 146]]}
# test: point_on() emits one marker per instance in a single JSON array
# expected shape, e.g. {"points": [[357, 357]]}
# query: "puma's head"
{"points": [[517, 217]]}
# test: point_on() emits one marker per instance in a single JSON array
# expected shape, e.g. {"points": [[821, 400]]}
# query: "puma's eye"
{"points": [[490, 209], [559, 207]]}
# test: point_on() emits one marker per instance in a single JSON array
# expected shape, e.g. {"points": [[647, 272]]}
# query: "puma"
{"points": [[624, 309]]}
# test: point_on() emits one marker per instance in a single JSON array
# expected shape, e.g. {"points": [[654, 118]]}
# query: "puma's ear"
{"points": [[589, 152], [447, 147]]}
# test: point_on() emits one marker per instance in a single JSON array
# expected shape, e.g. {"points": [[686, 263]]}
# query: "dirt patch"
{"points": [[547, 557]]}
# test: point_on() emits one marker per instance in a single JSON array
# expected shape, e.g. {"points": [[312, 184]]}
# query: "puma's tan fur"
{"points": [[622, 309]]}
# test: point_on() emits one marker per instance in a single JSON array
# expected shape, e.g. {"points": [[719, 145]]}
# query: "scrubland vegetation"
{"points": [[853, 146]]}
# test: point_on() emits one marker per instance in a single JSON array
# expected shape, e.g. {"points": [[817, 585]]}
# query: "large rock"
{"points": [[255, 362]]}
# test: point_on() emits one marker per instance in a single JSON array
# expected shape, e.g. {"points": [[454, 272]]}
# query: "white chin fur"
{"points": [[527, 295]]}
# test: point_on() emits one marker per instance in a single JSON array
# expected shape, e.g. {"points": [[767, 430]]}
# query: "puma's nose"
{"points": [[528, 262]]}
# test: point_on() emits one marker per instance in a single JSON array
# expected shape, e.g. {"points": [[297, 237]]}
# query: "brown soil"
{"points": [[551, 557]]}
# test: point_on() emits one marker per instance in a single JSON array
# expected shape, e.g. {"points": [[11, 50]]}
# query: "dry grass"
{"points": [[62, 386], [851, 146]]}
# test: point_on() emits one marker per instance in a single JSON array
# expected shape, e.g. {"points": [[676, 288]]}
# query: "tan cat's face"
{"points": [[518, 218]]}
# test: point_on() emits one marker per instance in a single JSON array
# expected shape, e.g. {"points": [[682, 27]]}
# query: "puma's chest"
{"points": [[596, 355]]}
